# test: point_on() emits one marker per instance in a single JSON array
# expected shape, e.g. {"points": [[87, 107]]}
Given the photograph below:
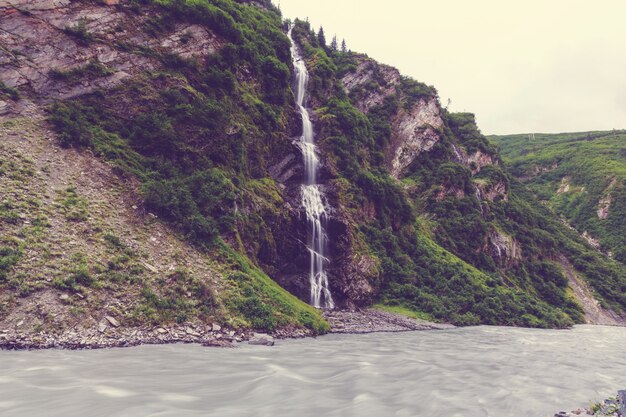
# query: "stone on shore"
{"points": [[261, 339], [113, 321]]}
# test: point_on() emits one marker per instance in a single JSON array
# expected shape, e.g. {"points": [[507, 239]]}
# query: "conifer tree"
{"points": [[321, 38], [344, 48], [333, 44]]}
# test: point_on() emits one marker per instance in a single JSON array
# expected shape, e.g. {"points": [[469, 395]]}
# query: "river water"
{"points": [[478, 371]]}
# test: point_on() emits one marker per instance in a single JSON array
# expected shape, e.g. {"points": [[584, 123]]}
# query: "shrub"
{"points": [[80, 33]]}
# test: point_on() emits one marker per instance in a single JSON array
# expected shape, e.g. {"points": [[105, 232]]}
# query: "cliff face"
{"points": [[55, 38], [191, 103]]}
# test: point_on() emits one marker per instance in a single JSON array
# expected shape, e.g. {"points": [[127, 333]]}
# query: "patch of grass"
{"points": [[79, 276], [8, 92], [398, 309], [8, 212], [180, 297], [15, 166], [93, 69], [10, 254], [80, 33], [74, 207], [261, 303]]}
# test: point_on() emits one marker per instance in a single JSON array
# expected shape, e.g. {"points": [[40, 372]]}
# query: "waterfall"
{"points": [[312, 195]]}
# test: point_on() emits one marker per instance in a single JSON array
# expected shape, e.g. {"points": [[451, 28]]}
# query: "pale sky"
{"points": [[520, 66]]}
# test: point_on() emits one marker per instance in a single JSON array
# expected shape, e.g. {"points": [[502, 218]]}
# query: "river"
{"points": [[467, 372]]}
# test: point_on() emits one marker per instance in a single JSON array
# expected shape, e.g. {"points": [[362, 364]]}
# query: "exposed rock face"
{"points": [[449, 191], [387, 79], [591, 240], [475, 161], [564, 187], [603, 207], [538, 170], [503, 248], [478, 160], [605, 202], [32, 5], [36, 42], [491, 192], [357, 278], [413, 132], [594, 312]]}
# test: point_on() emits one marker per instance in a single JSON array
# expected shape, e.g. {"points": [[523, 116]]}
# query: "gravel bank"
{"points": [[371, 321]]}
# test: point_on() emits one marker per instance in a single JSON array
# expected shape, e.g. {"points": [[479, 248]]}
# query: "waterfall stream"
{"points": [[312, 195]]}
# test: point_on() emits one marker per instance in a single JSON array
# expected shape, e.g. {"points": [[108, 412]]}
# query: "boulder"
{"points": [[261, 339], [113, 321]]}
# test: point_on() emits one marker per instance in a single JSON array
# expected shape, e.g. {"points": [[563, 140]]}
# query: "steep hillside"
{"points": [[455, 236], [83, 236], [187, 108], [582, 176]]}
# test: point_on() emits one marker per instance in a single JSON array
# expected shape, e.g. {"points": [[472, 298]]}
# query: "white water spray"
{"points": [[312, 196]]}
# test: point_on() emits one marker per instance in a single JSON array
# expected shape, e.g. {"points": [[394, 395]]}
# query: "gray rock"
{"points": [[621, 395], [113, 321], [216, 327], [261, 339], [64, 297], [102, 327]]}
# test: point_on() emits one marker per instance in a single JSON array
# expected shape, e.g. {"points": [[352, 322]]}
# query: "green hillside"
{"points": [[582, 176]]}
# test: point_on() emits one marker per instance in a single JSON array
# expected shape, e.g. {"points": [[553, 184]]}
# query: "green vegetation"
{"points": [[93, 69], [80, 33], [578, 175], [181, 297], [10, 254], [73, 206], [9, 92], [404, 311], [261, 302]]}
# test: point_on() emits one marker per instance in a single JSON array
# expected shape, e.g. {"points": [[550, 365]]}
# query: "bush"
{"points": [[80, 33]]}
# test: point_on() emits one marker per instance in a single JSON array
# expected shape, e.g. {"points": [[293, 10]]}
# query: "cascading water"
{"points": [[312, 196]]}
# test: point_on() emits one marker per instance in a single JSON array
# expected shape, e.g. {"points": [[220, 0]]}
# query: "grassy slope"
{"points": [[593, 164], [71, 226]]}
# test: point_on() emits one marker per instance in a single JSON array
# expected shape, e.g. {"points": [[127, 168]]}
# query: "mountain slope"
{"points": [[429, 196], [190, 103], [79, 241], [582, 176]]}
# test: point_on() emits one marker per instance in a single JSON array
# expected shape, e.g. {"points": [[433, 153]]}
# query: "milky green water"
{"points": [[480, 371]]}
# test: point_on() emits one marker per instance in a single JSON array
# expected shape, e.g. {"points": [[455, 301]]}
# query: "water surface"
{"points": [[479, 371]]}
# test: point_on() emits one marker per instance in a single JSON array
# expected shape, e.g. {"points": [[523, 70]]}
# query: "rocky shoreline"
{"points": [[611, 407], [110, 333], [376, 321], [206, 335]]}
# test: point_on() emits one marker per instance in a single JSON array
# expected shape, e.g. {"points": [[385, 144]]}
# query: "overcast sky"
{"points": [[520, 66]]}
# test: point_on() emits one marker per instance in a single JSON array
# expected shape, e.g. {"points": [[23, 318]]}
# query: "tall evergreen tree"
{"points": [[321, 38], [344, 48]]}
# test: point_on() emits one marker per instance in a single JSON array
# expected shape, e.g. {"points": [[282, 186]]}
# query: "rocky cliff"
{"points": [[181, 114]]}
